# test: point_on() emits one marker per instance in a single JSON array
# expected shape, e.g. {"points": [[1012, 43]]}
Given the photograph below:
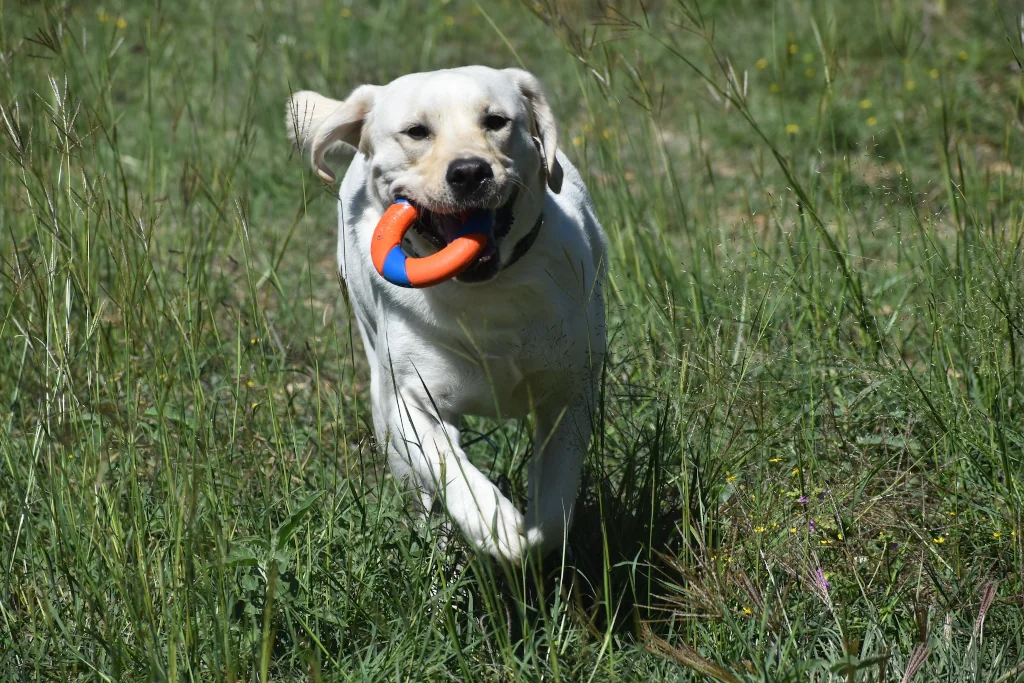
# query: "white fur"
{"points": [[529, 341]]}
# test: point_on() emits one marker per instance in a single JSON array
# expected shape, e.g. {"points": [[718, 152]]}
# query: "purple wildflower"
{"points": [[803, 500], [819, 585], [987, 596], [916, 661]]}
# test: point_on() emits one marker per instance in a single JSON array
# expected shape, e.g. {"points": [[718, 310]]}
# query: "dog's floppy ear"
{"points": [[318, 123], [543, 121]]}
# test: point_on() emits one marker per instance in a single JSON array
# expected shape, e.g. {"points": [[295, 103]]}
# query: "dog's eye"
{"points": [[417, 132], [495, 122]]}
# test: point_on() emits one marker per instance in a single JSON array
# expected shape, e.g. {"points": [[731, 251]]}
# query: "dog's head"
{"points": [[449, 141]]}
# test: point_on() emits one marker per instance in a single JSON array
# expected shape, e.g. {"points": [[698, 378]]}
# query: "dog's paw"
{"points": [[488, 520]]}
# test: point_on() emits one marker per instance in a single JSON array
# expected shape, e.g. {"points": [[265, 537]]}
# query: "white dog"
{"points": [[520, 332]]}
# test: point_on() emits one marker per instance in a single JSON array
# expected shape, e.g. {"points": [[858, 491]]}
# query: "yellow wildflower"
{"points": [[120, 23], [761, 63], [865, 103], [872, 121], [793, 129]]}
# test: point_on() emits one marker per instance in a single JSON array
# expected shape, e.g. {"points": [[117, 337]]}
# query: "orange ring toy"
{"points": [[399, 269]]}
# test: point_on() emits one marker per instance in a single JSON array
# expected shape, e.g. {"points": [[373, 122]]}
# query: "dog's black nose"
{"points": [[465, 176]]}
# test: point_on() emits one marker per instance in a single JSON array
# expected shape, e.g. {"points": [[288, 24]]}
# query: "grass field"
{"points": [[809, 453]]}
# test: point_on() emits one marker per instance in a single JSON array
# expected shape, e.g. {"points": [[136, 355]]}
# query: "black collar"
{"points": [[503, 220], [523, 245]]}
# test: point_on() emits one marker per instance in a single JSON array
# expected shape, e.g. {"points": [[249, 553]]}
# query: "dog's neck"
{"points": [[518, 223]]}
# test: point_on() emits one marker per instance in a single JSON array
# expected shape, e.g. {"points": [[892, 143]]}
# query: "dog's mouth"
{"points": [[439, 229]]}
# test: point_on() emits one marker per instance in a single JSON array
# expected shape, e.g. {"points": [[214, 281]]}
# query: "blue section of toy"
{"points": [[394, 267], [478, 221]]}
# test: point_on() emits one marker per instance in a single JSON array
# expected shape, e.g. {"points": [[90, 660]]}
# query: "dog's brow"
{"points": [[414, 118]]}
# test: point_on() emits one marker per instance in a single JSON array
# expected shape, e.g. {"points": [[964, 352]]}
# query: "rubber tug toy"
{"points": [[398, 269]]}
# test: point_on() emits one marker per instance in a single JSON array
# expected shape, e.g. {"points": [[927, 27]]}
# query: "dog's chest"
{"points": [[510, 361], [509, 386]]}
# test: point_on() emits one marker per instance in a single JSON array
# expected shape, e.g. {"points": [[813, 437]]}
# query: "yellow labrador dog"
{"points": [[520, 332]]}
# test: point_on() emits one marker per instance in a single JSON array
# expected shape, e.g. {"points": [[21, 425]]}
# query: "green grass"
{"points": [[810, 441]]}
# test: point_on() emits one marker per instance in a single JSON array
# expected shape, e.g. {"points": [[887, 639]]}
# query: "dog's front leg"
{"points": [[561, 438], [423, 447]]}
